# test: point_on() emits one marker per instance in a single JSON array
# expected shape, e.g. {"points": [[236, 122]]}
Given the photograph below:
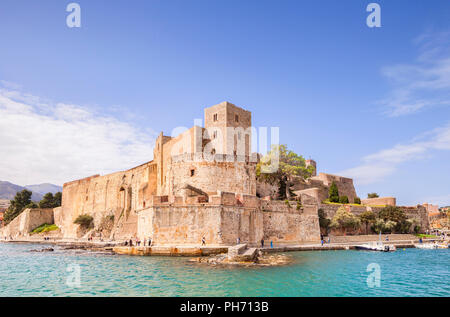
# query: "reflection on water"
{"points": [[409, 272]]}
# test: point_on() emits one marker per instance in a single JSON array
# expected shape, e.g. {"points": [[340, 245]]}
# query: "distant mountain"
{"points": [[45, 188], [8, 190]]}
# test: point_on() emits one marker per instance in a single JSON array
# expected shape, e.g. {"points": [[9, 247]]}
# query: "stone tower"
{"points": [[229, 129]]}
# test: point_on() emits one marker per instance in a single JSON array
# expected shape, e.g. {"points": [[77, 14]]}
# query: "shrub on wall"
{"points": [[343, 200], [85, 221], [357, 201], [372, 195]]}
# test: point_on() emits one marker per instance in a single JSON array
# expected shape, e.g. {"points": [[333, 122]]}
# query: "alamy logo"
{"points": [[374, 278], [74, 278], [374, 18], [73, 20]]}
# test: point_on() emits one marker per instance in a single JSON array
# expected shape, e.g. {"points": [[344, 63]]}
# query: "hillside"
{"points": [[8, 190]]}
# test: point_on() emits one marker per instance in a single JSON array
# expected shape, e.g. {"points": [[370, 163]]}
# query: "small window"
{"points": [[213, 152], [192, 172], [236, 118], [215, 117], [214, 134]]}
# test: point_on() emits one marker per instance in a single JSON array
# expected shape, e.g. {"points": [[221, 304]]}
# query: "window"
{"points": [[236, 118], [192, 172], [215, 117], [214, 134], [213, 152]]}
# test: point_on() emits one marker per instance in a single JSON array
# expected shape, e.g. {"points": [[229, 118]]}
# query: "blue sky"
{"points": [[370, 103]]}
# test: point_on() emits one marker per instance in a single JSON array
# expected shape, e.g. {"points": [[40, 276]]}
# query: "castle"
{"points": [[200, 184]]}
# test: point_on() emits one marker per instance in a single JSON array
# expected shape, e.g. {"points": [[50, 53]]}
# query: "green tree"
{"points": [[18, 204], [357, 201], [50, 201], [343, 200], [290, 165], [333, 193], [367, 217], [393, 214], [58, 199], [372, 195], [344, 219]]}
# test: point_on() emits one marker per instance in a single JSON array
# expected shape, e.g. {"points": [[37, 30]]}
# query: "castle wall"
{"points": [[345, 185], [287, 224], [236, 177], [226, 217], [118, 195], [27, 221], [264, 189], [388, 201]]}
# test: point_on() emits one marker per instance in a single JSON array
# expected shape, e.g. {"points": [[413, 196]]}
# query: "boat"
{"points": [[426, 246], [431, 246], [376, 246]]}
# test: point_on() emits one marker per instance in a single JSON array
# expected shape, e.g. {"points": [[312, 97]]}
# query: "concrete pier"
{"points": [[171, 250]]}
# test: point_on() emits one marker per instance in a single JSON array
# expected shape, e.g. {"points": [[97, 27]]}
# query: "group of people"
{"points": [[238, 241], [322, 240], [138, 242]]}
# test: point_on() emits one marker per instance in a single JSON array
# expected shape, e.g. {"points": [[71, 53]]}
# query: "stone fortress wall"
{"points": [[227, 217], [27, 221], [387, 201]]}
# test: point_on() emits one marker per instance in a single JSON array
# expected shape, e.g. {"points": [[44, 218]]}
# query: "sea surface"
{"points": [[406, 272]]}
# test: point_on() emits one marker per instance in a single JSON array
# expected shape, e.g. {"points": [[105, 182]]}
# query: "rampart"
{"points": [[27, 221]]}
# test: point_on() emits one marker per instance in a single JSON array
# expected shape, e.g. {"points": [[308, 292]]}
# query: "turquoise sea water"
{"points": [[410, 272]]}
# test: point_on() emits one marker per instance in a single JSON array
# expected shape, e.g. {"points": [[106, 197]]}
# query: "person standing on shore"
{"points": [[271, 244], [149, 241], [238, 240], [262, 243], [203, 240]]}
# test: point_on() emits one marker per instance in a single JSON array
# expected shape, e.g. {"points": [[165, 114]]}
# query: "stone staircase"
{"points": [[241, 253]]}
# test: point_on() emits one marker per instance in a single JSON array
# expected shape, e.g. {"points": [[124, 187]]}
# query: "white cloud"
{"points": [[45, 142], [424, 83], [417, 86], [377, 166]]}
